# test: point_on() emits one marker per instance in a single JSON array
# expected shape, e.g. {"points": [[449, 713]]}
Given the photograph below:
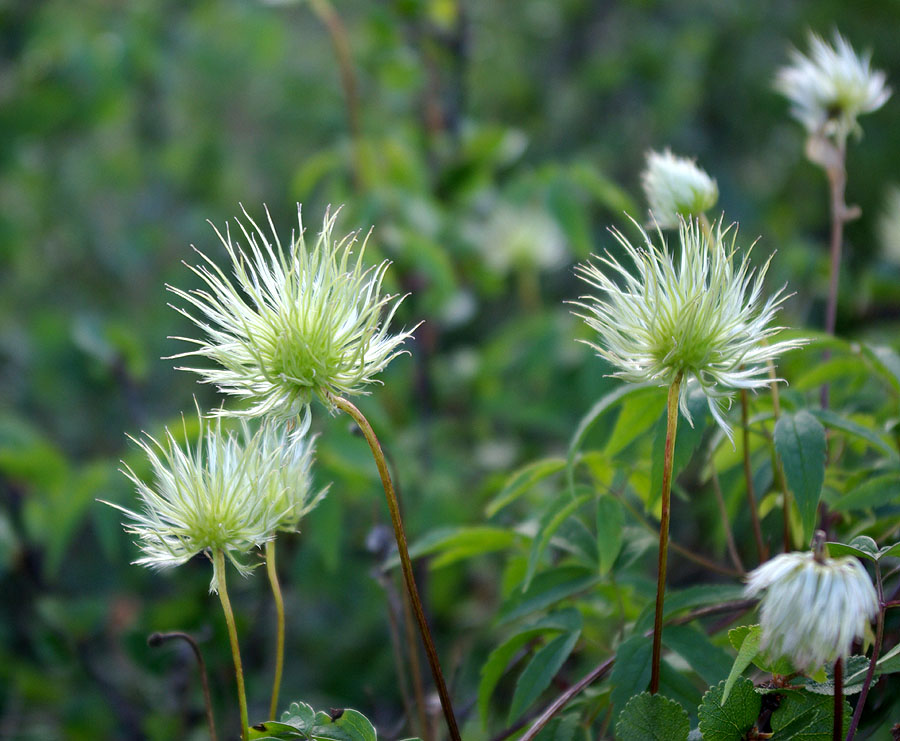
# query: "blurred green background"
{"points": [[491, 144]]}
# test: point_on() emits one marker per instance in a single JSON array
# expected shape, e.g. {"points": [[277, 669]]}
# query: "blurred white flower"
{"points": [[813, 608], [675, 187], [299, 323], [205, 498], [831, 87], [700, 317], [888, 225], [516, 237]]}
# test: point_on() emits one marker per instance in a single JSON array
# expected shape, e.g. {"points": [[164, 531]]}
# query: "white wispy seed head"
{"points": [[831, 87], [675, 187], [204, 498], [701, 317], [294, 323], [812, 610]]}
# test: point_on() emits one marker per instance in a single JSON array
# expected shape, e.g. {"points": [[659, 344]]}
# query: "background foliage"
{"points": [[463, 130]]}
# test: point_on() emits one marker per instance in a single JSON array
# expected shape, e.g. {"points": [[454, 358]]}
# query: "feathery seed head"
{"points": [[285, 474], [293, 323], [831, 87], [204, 498], [675, 187], [813, 607], [702, 317]]}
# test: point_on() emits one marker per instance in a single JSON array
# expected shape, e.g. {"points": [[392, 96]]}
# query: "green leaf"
{"points": [[800, 442], [631, 672], [831, 419], [803, 716], [874, 492], [301, 721], [547, 589], [711, 662], [536, 677], [637, 415], [589, 419], [846, 549], [457, 543], [687, 599], [855, 668], [885, 362], [777, 665], [610, 530], [890, 551], [521, 481], [729, 720], [746, 653], [498, 660], [649, 717], [554, 515]]}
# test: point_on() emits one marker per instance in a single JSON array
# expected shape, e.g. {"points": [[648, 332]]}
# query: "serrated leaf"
{"points": [[521, 481], [708, 660], [745, 655], [649, 717], [800, 443], [610, 531], [855, 668], [631, 672], [803, 716], [729, 720], [499, 658], [552, 518], [536, 677]]}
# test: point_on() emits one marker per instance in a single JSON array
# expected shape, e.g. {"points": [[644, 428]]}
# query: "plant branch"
{"points": [[873, 663], [157, 639], [836, 733], [405, 562], [748, 477], [668, 461]]}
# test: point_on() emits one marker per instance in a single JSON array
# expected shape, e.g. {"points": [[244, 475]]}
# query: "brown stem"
{"points": [[414, 670], [723, 512], [157, 639], [340, 40], [668, 461], [837, 182], [748, 477], [405, 562], [837, 732], [873, 662]]}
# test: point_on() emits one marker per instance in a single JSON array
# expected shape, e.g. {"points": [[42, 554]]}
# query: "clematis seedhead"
{"points": [[676, 188]]}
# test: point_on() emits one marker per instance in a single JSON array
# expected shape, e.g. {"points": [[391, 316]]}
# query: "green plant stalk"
{"points": [[219, 567], [272, 571], [748, 476], [776, 463], [837, 731], [405, 562], [668, 461], [873, 663]]}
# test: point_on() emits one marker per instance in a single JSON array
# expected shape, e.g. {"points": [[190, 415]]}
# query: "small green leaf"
{"points": [[845, 549], [777, 665], [746, 653], [874, 492], [649, 717], [729, 720], [708, 660], [610, 529], [556, 513], [800, 443], [834, 420], [455, 543], [547, 589], [521, 481], [889, 551], [855, 668], [536, 677], [631, 672]]}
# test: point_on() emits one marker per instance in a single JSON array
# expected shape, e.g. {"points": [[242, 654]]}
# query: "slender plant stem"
{"points": [[414, 670], [837, 182], [723, 512], [219, 567], [873, 663], [157, 639], [777, 467], [668, 460], [405, 562], [748, 477], [677, 547], [837, 733], [272, 571]]}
